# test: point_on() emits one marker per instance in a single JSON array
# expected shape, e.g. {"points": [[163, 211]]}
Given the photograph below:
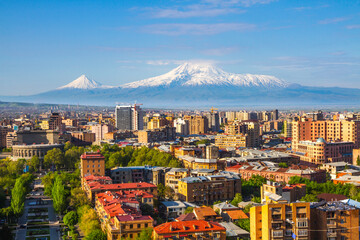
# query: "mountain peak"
{"points": [[83, 82], [205, 73]]}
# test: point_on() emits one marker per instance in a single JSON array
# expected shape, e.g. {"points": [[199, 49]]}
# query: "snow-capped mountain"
{"points": [[195, 85], [197, 74], [83, 82]]}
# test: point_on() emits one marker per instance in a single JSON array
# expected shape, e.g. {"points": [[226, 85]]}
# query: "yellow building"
{"points": [[182, 151], [44, 125], [232, 141], [280, 221], [199, 163], [173, 177]]}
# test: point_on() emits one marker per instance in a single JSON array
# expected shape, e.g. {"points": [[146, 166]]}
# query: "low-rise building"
{"points": [[172, 209], [232, 141], [207, 214], [200, 163], [93, 185], [208, 189], [157, 135], [275, 192], [189, 230], [246, 170]]}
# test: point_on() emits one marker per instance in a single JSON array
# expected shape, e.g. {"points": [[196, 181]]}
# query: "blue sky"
{"points": [[46, 44]]}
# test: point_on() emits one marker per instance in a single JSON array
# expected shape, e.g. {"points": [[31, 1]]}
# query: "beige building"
{"points": [[232, 141], [197, 124]]}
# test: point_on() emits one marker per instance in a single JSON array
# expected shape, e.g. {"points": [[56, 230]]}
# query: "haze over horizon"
{"points": [[45, 45]]}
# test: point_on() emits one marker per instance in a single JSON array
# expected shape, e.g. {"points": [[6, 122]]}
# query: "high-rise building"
{"points": [[280, 221], [129, 117], [197, 124], [181, 126], [213, 121], [55, 122], [308, 130]]}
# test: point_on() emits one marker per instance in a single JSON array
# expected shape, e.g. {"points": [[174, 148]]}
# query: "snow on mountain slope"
{"points": [[83, 82], [192, 74]]}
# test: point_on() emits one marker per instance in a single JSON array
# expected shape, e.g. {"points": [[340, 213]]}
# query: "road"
{"points": [[53, 222]]}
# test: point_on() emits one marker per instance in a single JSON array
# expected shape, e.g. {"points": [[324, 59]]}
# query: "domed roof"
{"points": [[321, 140]]}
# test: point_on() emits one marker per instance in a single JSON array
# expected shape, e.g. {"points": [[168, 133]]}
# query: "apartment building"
{"points": [[208, 189], [280, 221], [232, 141], [247, 170], [307, 129], [197, 124], [274, 192], [199, 163], [173, 177], [92, 163], [320, 151], [157, 135], [187, 230], [334, 221]]}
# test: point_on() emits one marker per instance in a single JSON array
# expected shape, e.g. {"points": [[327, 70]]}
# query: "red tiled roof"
{"points": [[92, 155], [121, 186], [203, 212], [237, 214], [93, 177], [186, 217], [126, 218], [188, 227]]}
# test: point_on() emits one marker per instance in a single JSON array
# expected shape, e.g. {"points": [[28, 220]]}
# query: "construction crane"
{"points": [[137, 104], [212, 109]]}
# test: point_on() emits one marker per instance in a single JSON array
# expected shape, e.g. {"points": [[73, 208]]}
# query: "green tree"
{"points": [[71, 219], [145, 234], [54, 157], [161, 190], [34, 163], [169, 192], [96, 234], [244, 224], [59, 195], [88, 219], [358, 161], [309, 198], [283, 165], [78, 198], [189, 210], [71, 158], [237, 199], [18, 194]]}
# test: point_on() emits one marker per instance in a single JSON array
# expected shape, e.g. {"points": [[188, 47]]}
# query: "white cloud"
{"points": [[177, 29], [353, 26], [333, 20]]}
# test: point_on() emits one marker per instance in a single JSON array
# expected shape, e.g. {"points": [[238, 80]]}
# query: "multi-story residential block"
{"points": [[92, 163], [251, 128], [129, 117], [100, 130], [213, 121], [208, 189], [321, 152], [3, 132], [274, 192], [120, 214], [187, 230], [280, 221], [247, 170], [157, 135], [197, 124], [173, 177], [181, 126], [287, 129], [212, 152], [93, 185], [132, 174], [200, 163], [232, 141], [307, 129], [82, 138], [334, 220]]}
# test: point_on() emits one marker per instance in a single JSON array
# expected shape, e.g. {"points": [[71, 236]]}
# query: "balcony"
{"points": [[331, 224], [302, 233], [331, 234], [302, 223], [277, 233]]}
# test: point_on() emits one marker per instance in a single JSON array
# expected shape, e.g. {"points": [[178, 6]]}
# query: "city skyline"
{"points": [[46, 45]]}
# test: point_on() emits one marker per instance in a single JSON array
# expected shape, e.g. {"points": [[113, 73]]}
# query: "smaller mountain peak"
{"points": [[82, 82]]}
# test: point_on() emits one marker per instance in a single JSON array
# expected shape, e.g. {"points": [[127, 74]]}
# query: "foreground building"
{"points": [[280, 221], [334, 220]]}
